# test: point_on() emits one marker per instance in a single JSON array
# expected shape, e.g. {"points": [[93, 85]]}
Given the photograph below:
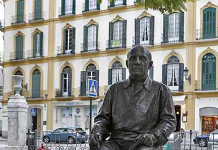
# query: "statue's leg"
{"points": [[149, 148], [109, 145]]}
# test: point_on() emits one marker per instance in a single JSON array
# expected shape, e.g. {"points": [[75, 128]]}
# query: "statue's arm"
{"points": [[167, 122], [104, 117]]}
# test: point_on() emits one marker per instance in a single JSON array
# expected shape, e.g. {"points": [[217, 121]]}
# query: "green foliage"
{"points": [[164, 6]]}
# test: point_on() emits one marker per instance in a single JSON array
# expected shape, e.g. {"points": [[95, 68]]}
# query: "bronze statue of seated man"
{"points": [[137, 113]]}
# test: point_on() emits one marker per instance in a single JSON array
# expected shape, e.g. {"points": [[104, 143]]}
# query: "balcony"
{"points": [[205, 35], [171, 39], [15, 56], [115, 44], [90, 9], [36, 55], [90, 47], [116, 3], [68, 11], [29, 94], [58, 94], [143, 43], [36, 16], [2, 25], [18, 19], [208, 86], [61, 51]]}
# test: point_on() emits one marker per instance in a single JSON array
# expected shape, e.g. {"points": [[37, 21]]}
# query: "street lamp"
{"points": [[186, 75]]}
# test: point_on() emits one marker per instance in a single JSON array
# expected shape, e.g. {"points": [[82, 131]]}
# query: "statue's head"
{"points": [[139, 61]]}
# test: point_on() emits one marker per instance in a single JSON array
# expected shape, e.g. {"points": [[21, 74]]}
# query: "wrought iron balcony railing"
{"points": [[94, 8], [58, 93], [68, 10], [207, 85], [34, 94], [116, 4], [210, 33], [61, 51], [116, 44], [172, 38], [143, 43], [35, 54], [1, 57], [2, 25], [18, 55], [35, 16], [90, 47], [18, 19]]}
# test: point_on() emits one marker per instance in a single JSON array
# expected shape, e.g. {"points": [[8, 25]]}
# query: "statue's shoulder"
{"points": [[119, 84], [159, 85]]}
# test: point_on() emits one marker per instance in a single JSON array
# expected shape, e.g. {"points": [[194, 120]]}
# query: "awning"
{"points": [[179, 100], [208, 111]]}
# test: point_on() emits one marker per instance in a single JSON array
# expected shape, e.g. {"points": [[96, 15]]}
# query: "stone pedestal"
{"points": [[17, 123]]}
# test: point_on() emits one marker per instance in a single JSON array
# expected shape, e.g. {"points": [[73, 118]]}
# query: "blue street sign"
{"points": [[33, 112], [92, 88]]}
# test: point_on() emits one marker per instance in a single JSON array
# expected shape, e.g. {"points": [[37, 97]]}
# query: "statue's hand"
{"points": [[148, 140], [96, 138]]}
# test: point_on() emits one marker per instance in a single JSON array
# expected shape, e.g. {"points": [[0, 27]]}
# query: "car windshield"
{"points": [[79, 129]]}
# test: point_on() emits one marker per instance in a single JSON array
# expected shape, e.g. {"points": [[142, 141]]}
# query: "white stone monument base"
{"points": [[16, 148]]}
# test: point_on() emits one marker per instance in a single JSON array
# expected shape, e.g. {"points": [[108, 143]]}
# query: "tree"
{"points": [[164, 6]]}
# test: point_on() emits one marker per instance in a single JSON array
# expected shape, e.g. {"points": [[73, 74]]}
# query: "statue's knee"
{"points": [[109, 146]]}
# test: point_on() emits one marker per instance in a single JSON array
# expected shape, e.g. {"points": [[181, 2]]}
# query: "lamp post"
{"points": [[186, 75]]}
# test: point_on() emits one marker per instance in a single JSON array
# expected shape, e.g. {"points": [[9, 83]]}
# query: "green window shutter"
{"points": [[62, 83], [96, 37], [98, 5], [109, 76], [69, 84], [97, 78], [64, 40], [19, 47], [20, 11], [38, 9], [209, 23], [181, 27], [86, 5], [85, 38], [62, 7], [181, 76], [74, 7], [151, 72], [137, 31], [165, 28], [124, 34], [123, 73], [73, 40], [34, 45], [111, 3], [124, 2], [41, 44], [151, 34], [164, 74], [111, 27], [36, 85], [83, 83]]}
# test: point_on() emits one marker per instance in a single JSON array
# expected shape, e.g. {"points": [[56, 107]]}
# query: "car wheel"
{"points": [[46, 139], [202, 142], [70, 140]]}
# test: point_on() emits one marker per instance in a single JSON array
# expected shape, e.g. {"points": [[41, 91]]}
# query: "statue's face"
{"points": [[138, 63]]}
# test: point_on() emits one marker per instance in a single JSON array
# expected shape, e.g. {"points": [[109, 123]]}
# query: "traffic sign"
{"points": [[33, 112], [92, 88]]}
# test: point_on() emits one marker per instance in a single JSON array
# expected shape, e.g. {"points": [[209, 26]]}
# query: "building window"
{"points": [[209, 23], [92, 4], [209, 72], [66, 81], [38, 9], [36, 82], [116, 73], [20, 11], [144, 30], [69, 41], [38, 45], [68, 7], [117, 3], [173, 74], [117, 35], [90, 73], [92, 38], [19, 47], [174, 27]]}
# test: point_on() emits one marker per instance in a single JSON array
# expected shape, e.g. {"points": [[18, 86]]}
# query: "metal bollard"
{"points": [[190, 139]]}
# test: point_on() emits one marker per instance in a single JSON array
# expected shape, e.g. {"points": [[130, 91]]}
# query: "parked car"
{"points": [[202, 140], [69, 135]]}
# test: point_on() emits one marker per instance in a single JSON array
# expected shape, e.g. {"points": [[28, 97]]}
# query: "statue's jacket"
{"points": [[150, 109]]}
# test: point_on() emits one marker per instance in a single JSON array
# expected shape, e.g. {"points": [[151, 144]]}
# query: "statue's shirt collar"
{"points": [[147, 84]]}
